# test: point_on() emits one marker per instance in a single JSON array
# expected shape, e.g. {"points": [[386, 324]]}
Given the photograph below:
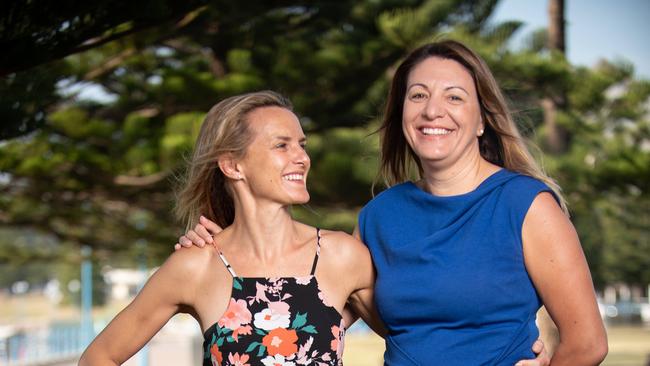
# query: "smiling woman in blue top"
{"points": [[467, 252]]}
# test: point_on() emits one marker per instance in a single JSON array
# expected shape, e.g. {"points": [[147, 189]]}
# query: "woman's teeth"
{"points": [[293, 177], [435, 131]]}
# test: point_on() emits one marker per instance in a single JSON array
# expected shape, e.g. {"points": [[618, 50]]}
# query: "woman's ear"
{"points": [[229, 167], [481, 128]]}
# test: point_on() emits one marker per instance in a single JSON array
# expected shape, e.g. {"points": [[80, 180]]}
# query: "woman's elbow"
{"points": [[90, 357], [598, 349], [588, 350]]}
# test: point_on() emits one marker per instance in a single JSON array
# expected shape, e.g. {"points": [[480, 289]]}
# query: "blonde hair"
{"points": [[501, 142], [205, 190]]}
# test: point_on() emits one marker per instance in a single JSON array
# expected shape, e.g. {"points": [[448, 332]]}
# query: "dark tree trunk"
{"points": [[557, 137]]}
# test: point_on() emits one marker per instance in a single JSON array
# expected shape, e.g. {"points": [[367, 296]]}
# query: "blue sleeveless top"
{"points": [[452, 287]]}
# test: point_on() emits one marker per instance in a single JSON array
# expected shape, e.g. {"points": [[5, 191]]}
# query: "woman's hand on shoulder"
{"points": [[200, 235], [559, 270]]}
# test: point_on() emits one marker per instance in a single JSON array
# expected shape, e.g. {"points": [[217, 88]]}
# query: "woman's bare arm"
{"points": [[557, 266], [362, 300], [166, 291]]}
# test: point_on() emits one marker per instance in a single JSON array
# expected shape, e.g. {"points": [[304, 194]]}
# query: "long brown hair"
{"points": [[501, 142], [205, 190]]}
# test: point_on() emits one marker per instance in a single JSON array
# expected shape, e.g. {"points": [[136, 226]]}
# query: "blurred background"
{"points": [[100, 103]]}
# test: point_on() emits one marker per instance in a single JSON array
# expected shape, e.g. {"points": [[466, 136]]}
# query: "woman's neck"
{"points": [[459, 178], [264, 230]]}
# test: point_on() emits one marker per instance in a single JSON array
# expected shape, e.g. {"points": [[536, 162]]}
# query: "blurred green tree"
{"points": [[100, 171]]}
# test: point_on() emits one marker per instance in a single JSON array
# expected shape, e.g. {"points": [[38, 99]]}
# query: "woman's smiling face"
{"points": [[276, 164], [441, 117]]}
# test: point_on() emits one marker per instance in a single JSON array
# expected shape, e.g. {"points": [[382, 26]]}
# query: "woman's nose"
{"points": [[301, 156], [433, 109]]}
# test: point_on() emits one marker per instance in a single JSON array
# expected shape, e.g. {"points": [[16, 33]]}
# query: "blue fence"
{"points": [[56, 343]]}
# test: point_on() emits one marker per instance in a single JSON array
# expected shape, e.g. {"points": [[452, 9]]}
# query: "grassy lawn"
{"points": [[628, 346]]}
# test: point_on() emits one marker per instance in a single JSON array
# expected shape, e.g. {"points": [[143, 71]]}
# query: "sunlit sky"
{"points": [[596, 29]]}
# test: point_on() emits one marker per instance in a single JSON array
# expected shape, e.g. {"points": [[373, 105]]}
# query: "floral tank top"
{"points": [[282, 321]]}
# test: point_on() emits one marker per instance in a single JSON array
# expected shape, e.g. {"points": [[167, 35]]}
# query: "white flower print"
{"points": [[304, 280], [277, 360], [323, 298], [277, 315]]}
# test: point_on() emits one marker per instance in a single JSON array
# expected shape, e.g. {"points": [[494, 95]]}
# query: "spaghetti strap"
{"points": [[225, 262], [313, 267]]}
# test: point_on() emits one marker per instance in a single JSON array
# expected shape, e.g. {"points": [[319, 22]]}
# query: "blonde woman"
{"points": [[272, 290]]}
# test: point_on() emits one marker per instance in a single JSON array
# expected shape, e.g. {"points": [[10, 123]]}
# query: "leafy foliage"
{"points": [[102, 172]]}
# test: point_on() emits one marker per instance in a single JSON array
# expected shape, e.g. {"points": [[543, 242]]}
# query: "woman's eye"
{"points": [[455, 98], [417, 96], [281, 145], [303, 146]]}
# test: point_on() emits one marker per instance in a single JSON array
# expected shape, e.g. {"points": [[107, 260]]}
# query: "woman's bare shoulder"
{"points": [[343, 244], [189, 264]]}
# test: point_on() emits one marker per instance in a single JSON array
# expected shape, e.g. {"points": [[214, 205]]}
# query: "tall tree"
{"points": [[557, 135]]}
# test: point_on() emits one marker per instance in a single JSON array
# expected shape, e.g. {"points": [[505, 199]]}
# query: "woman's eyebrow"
{"points": [[456, 87]]}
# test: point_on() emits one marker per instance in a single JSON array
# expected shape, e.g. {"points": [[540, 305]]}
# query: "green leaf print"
{"points": [[253, 345], [261, 351], [309, 329], [236, 283], [261, 332], [299, 321], [230, 339], [220, 342]]}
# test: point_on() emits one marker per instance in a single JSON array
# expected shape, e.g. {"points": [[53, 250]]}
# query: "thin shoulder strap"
{"points": [[313, 267], [225, 262]]}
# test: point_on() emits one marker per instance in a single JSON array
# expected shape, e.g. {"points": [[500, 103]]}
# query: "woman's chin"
{"points": [[301, 199]]}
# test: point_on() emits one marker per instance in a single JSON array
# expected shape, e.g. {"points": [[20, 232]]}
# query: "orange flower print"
{"points": [[236, 315], [216, 355], [337, 343], [237, 360], [241, 330], [281, 341]]}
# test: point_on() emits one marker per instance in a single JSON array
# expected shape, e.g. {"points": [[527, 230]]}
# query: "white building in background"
{"points": [[124, 283]]}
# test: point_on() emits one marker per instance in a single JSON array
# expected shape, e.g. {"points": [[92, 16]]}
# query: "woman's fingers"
{"points": [[542, 358], [212, 227], [203, 233], [194, 238], [183, 242]]}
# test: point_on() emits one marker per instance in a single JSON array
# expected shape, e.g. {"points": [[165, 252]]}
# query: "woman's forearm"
{"points": [[585, 352], [93, 357]]}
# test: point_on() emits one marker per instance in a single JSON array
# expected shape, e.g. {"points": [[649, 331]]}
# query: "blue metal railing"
{"points": [[48, 345]]}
